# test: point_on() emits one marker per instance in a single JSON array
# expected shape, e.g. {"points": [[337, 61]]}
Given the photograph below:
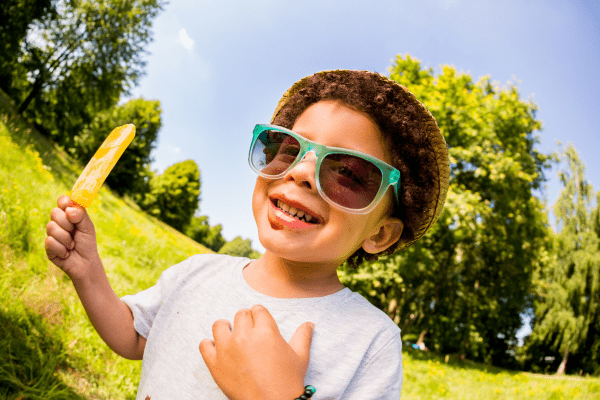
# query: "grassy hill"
{"points": [[52, 350], [49, 350]]}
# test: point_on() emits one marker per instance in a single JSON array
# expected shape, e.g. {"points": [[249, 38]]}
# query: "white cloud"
{"points": [[185, 39], [174, 149]]}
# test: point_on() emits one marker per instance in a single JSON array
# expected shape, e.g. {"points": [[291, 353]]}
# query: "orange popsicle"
{"points": [[95, 173]]}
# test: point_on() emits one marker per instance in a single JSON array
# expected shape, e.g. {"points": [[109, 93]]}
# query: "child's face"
{"points": [[338, 234]]}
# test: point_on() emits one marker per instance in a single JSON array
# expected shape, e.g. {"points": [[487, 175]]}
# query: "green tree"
{"points": [[15, 18], [466, 283], [81, 62], [209, 236], [567, 302], [131, 175], [173, 196], [239, 247]]}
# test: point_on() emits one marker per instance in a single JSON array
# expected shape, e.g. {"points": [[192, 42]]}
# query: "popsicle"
{"points": [[95, 173]]}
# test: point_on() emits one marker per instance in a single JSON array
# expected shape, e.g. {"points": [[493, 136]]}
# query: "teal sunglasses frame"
{"points": [[390, 176]]}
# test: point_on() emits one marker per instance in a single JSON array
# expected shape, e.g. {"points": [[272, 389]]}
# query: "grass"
{"points": [[431, 376], [51, 351]]}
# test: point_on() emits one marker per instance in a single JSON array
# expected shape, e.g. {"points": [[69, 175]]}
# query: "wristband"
{"points": [[308, 392]]}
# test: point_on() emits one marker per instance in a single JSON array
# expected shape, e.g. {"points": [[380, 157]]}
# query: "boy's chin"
{"points": [[299, 254]]}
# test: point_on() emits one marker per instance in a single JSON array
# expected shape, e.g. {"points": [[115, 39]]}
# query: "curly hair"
{"points": [[398, 117]]}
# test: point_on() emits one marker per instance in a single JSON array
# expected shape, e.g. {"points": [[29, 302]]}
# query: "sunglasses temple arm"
{"points": [[396, 192]]}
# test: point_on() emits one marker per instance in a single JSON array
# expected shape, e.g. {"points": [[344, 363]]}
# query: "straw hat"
{"points": [[436, 143]]}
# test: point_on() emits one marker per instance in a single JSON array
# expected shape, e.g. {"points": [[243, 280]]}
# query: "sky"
{"points": [[220, 67]]}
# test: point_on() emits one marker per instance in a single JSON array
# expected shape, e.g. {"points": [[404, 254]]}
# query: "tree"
{"points": [[15, 18], [239, 247], [131, 175], [467, 282], [203, 233], [80, 62], [173, 196], [567, 302]]}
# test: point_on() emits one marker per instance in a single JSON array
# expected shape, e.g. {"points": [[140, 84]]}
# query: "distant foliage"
{"points": [[79, 61], [131, 174], [209, 236], [566, 325], [466, 283], [173, 196], [239, 247], [15, 18]]}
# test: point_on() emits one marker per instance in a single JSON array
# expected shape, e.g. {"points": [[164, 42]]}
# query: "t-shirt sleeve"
{"points": [[146, 304], [380, 378]]}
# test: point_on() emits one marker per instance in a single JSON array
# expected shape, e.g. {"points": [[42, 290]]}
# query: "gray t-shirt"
{"points": [[355, 351]]}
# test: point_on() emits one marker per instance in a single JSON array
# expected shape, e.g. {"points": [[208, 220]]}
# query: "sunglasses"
{"points": [[349, 180]]}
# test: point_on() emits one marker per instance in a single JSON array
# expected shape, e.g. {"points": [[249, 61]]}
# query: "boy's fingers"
{"points": [[242, 320], [301, 340], [262, 317], [221, 330], [79, 216], [57, 232], [55, 249], [57, 215], [208, 351], [64, 202]]}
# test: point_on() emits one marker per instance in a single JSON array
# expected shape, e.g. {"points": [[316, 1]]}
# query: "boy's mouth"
{"points": [[297, 213]]}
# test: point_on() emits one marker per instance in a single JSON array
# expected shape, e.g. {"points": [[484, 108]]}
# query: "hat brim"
{"points": [[435, 140]]}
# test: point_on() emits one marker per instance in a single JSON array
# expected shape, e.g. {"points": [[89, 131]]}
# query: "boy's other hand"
{"points": [[253, 361], [71, 240]]}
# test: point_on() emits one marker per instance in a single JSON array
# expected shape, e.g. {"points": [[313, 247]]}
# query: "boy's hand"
{"points": [[254, 361], [71, 241]]}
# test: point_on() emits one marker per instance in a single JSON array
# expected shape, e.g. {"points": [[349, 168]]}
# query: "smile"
{"points": [[291, 214], [298, 214]]}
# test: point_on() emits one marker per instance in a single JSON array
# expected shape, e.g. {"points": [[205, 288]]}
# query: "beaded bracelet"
{"points": [[308, 392]]}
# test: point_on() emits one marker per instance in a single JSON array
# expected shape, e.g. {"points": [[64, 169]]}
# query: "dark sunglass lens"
{"points": [[349, 181], [274, 152]]}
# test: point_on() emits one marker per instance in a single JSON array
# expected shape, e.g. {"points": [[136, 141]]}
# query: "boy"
{"points": [[353, 167]]}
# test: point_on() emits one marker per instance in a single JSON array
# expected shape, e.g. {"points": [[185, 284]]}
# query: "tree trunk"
{"points": [[420, 341], [37, 86], [563, 364]]}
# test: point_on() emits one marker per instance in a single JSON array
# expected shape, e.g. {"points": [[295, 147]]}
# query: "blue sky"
{"points": [[219, 68]]}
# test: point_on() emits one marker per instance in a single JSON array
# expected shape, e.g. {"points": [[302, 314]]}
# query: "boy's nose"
{"points": [[303, 173], [310, 155]]}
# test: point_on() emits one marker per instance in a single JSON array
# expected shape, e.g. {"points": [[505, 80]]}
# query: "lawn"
{"points": [[431, 376]]}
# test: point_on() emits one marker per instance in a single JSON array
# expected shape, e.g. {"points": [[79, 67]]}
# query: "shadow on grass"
{"points": [[32, 356], [454, 361]]}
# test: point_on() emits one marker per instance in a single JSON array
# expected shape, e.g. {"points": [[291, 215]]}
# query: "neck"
{"points": [[277, 277]]}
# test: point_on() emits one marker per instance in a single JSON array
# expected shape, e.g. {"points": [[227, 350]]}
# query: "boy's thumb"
{"points": [[301, 341], [79, 216]]}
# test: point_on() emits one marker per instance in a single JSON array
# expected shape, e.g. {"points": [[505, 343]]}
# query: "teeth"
{"points": [[294, 212], [283, 206]]}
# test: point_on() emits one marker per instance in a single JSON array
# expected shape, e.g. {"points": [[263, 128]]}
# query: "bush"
{"points": [[203, 233], [173, 196], [239, 247]]}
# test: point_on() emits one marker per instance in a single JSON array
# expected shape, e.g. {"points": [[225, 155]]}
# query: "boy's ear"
{"points": [[389, 233]]}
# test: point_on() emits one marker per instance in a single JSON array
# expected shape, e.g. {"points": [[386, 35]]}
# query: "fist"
{"points": [[71, 241]]}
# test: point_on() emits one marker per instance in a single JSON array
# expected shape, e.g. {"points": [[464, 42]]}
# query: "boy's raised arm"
{"points": [[71, 245]]}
